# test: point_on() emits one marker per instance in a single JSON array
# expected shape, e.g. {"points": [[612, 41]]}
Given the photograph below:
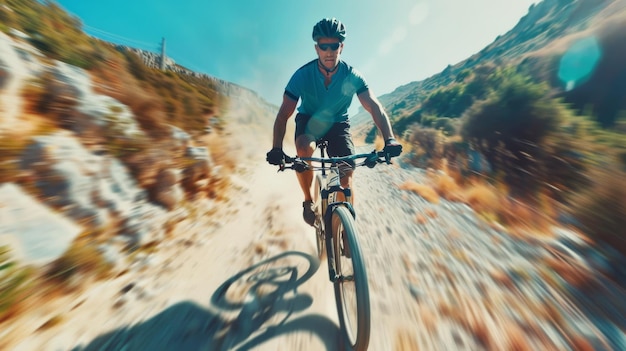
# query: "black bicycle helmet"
{"points": [[329, 28]]}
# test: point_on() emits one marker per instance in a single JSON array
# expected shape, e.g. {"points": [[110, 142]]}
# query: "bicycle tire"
{"points": [[319, 226], [356, 331]]}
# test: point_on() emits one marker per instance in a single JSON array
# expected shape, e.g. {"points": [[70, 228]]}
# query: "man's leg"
{"points": [[305, 148], [346, 182], [340, 144]]}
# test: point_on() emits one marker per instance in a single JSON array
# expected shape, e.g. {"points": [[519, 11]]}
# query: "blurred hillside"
{"points": [[103, 154], [589, 32], [539, 115]]}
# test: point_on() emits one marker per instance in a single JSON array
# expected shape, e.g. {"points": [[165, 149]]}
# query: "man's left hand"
{"points": [[392, 147]]}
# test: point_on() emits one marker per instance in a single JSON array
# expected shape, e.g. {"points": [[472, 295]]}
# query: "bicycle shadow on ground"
{"points": [[252, 307]]}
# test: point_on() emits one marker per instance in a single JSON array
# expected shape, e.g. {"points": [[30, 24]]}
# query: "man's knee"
{"points": [[346, 176], [305, 146]]}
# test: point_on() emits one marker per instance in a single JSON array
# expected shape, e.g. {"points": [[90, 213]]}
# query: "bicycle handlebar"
{"points": [[301, 164]]}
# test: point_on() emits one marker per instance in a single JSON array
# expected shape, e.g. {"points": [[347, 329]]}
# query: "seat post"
{"points": [[322, 144]]}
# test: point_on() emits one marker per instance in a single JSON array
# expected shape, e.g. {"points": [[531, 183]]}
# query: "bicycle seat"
{"points": [[321, 143]]}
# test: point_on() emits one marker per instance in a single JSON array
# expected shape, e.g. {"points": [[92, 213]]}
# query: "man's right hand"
{"points": [[276, 156]]}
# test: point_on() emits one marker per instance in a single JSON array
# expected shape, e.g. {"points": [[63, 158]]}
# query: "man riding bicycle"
{"points": [[326, 86]]}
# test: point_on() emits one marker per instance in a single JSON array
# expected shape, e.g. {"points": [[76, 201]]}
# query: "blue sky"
{"points": [[260, 43]]}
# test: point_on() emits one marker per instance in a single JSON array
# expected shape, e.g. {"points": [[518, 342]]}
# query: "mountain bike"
{"points": [[336, 233]]}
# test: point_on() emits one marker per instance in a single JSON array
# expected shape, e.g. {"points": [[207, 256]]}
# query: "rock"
{"points": [[94, 189], [145, 166], [167, 191], [17, 62], [144, 225], [35, 232], [181, 139], [200, 169], [94, 114], [112, 256]]}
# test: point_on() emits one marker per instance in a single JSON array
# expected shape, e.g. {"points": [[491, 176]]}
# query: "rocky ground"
{"points": [[243, 276]]}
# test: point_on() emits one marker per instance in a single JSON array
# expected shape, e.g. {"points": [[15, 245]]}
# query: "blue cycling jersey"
{"points": [[328, 104]]}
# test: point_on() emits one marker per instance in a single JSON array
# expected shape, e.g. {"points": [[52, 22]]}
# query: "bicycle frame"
{"points": [[330, 184], [336, 230], [329, 178]]}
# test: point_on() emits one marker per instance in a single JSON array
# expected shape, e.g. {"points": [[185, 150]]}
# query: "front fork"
{"points": [[328, 210]]}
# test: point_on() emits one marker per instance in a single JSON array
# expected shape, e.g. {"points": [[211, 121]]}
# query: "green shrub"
{"points": [[371, 135], [445, 125], [512, 129], [81, 257], [428, 144], [15, 282]]}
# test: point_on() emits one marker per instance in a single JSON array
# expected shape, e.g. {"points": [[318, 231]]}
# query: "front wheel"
{"points": [[351, 289]]}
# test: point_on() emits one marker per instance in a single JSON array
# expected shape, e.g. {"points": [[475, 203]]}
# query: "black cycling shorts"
{"points": [[338, 136]]}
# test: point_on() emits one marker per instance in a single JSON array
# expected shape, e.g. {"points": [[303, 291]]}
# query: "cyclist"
{"points": [[326, 87]]}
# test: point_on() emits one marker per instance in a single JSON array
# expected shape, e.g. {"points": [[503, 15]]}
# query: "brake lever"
{"points": [[300, 167]]}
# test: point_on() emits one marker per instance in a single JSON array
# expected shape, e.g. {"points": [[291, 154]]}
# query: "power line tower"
{"points": [[162, 63]]}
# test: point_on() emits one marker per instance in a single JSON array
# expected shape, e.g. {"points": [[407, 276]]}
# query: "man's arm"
{"points": [[280, 124], [374, 107]]}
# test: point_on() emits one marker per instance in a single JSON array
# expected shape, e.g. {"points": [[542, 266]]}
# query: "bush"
{"points": [[446, 125], [450, 101], [15, 283], [512, 128], [81, 257], [49, 97], [601, 210], [428, 144]]}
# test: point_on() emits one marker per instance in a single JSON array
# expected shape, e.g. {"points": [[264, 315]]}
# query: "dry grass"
{"points": [[571, 273], [482, 197], [491, 202], [16, 285], [601, 208], [222, 151], [405, 340], [425, 191], [428, 318], [379, 143], [113, 79], [491, 328], [81, 257], [580, 343], [420, 219], [516, 338], [502, 278]]}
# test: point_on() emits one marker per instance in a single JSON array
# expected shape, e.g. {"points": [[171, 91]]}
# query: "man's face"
{"points": [[328, 51]]}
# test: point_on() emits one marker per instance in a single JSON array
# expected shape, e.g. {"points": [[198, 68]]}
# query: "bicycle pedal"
{"points": [[343, 279], [346, 253]]}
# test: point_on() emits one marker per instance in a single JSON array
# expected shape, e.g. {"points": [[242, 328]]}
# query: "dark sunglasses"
{"points": [[332, 46]]}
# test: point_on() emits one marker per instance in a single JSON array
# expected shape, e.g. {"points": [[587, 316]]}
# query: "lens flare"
{"points": [[579, 62]]}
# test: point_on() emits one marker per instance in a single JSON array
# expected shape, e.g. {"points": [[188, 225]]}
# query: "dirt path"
{"points": [[242, 279], [246, 279]]}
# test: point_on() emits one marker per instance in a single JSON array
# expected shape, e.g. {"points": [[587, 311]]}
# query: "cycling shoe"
{"points": [[308, 212]]}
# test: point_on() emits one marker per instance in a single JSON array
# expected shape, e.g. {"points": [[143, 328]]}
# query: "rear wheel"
{"points": [[351, 289]]}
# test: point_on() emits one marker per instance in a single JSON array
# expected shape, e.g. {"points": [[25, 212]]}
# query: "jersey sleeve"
{"points": [[293, 89], [359, 82]]}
